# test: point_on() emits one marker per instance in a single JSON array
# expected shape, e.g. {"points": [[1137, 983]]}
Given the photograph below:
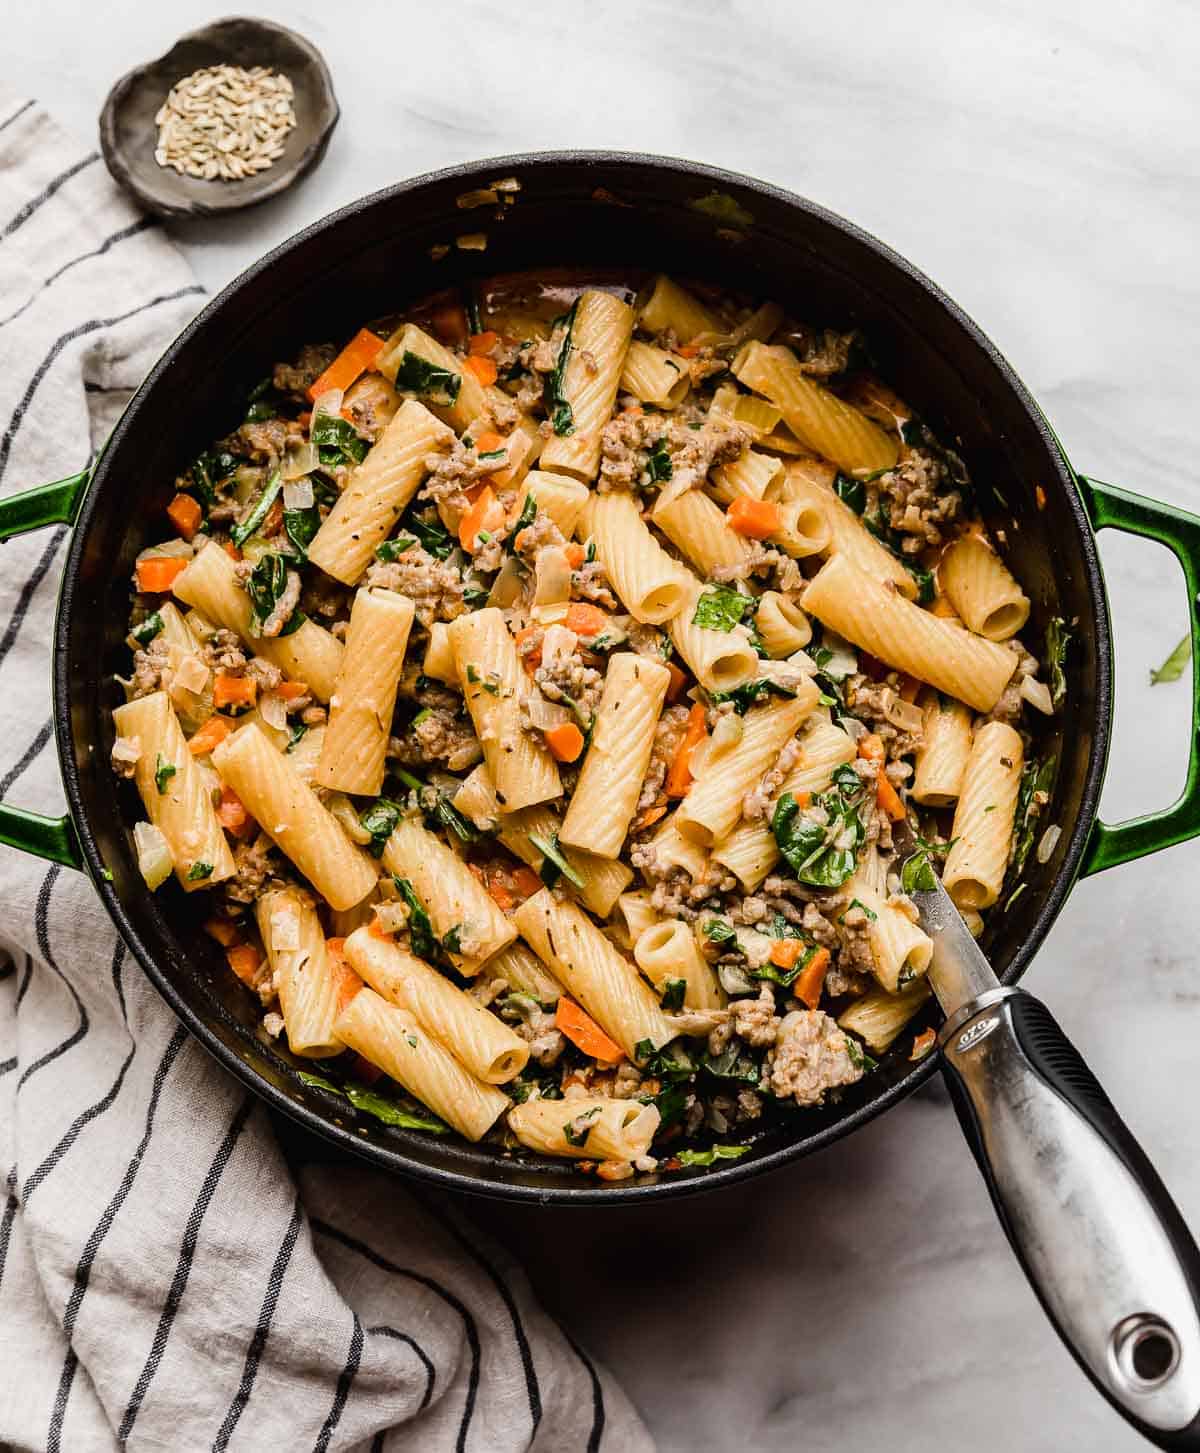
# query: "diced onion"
{"points": [[330, 402], [844, 659], [273, 710], [508, 585], [208, 776], [255, 548], [153, 855], [169, 550], [1049, 841], [854, 728], [505, 184], [549, 615], [905, 715], [392, 916], [726, 734], [343, 810], [543, 714], [190, 672], [300, 458], [558, 646], [472, 242], [480, 197], [1037, 694], [552, 576], [200, 626]]}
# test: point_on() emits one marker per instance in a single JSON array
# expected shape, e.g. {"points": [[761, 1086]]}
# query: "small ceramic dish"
{"points": [[128, 132]]}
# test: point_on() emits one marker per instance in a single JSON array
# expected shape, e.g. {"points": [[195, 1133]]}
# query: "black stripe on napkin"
{"points": [[19, 112], [47, 192], [32, 753], [342, 1391], [598, 1415], [26, 597], [42, 929], [134, 228], [426, 1361]]}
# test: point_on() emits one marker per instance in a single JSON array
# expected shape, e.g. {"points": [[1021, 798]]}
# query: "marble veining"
{"points": [[1039, 161]]}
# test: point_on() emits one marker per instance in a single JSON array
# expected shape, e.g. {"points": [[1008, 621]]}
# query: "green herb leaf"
{"points": [[731, 1064], [558, 407], [823, 854], [527, 516], [470, 302], [143, 634], [417, 375], [784, 977], [1058, 638], [452, 939], [1175, 664], [859, 1058], [721, 207], [300, 526], [208, 470], [673, 991], [163, 772], [554, 865], [391, 550], [420, 926], [380, 821], [926, 590], [267, 583], [297, 734], [852, 492], [1033, 796], [658, 463], [199, 871], [744, 696], [716, 930], [432, 535], [578, 1130], [720, 609], [671, 1064], [711, 1155], [371, 1102], [670, 1102], [241, 533], [871, 915], [337, 440], [916, 876]]}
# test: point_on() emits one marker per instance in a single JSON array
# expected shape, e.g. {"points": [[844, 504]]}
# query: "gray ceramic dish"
{"points": [[128, 132]]}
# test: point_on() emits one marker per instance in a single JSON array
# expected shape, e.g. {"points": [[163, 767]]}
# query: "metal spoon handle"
{"points": [[1102, 1243]]}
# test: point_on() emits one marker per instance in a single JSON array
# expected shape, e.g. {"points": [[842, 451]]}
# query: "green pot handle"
{"points": [[52, 838], [1118, 509]]}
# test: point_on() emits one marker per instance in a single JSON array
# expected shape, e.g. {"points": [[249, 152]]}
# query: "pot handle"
{"points": [[52, 838], [1119, 509]]}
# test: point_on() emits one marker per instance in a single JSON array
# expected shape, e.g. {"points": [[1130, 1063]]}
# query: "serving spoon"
{"points": [[1100, 1239]]}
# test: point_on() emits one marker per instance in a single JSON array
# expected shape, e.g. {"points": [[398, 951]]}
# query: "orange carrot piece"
{"points": [[757, 519], [565, 742], [272, 520], [923, 1043], [482, 367], [233, 690], [157, 573], [1039, 495], [575, 555], [689, 350], [231, 550], [584, 1033], [483, 342], [223, 930], [526, 881], [377, 930], [888, 798], [650, 816], [679, 681], [500, 895], [871, 747], [244, 959], [291, 690], [450, 322], [185, 514], [584, 619], [211, 734], [679, 774], [485, 516], [531, 660], [232, 814], [350, 364], [488, 442], [812, 979], [785, 952], [346, 981]]}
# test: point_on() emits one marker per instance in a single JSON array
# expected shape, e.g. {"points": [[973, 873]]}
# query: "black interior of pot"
{"points": [[389, 250]]}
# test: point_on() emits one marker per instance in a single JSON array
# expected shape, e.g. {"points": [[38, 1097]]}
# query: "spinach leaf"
{"points": [[527, 516], [720, 609], [208, 470], [525, 1085], [298, 730], [1033, 796], [1058, 638], [470, 302], [337, 441], [658, 463], [731, 1064], [163, 772], [300, 526], [380, 821], [859, 1058], [716, 930], [382, 1107], [558, 408], [391, 550], [437, 805], [784, 977], [432, 535], [916, 876], [1170, 670], [429, 380], [924, 579], [199, 871], [578, 1130], [420, 927], [712, 1154], [143, 634], [744, 696], [452, 939], [671, 1064], [554, 865], [852, 492], [268, 581], [811, 847], [673, 991], [670, 1103], [241, 533]]}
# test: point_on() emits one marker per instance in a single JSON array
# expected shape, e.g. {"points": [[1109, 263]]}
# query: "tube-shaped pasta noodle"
{"points": [[522, 446], [654, 376], [309, 653], [667, 951], [782, 626], [667, 305], [524, 973], [699, 530], [596, 346], [847, 535], [900, 948], [610, 779], [479, 1040], [593, 972], [903, 635], [377, 493], [754, 475], [393, 1040], [304, 977], [173, 792], [294, 818], [803, 529], [602, 879], [983, 819], [649, 584], [942, 755], [981, 588], [755, 413], [557, 495], [878, 1017], [361, 707], [450, 893], [587, 1129], [673, 850], [712, 808], [492, 682], [637, 913], [817, 417], [439, 655], [414, 360], [750, 851], [719, 660]]}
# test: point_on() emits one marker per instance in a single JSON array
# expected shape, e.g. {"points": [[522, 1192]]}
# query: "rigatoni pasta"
{"points": [[592, 357], [306, 978], [649, 584], [983, 819], [982, 589]]}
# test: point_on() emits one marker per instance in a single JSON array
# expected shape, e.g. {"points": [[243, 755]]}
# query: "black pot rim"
{"points": [[677, 1184]]}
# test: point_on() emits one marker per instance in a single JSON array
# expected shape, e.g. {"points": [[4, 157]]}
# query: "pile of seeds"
{"points": [[225, 122]]}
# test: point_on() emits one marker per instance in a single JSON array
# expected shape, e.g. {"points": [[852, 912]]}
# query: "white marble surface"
{"points": [[1039, 160]]}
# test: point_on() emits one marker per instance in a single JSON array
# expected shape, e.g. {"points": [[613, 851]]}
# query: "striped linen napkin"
{"points": [[165, 1280]]}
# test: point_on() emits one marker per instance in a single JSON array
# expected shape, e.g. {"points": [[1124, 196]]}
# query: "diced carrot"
{"points": [[336, 947], [244, 959], [910, 687], [157, 573], [679, 774], [353, 361], [223, 930], [585, 619], [888, 798], [923, 1043], [757, 519], [488, 442], [1039, 495], [272, 520], [231, 550], [477, 873], [584, 1033], [785, 952], [803, 799], [530, 659], [575, 554], [811, 981], [482, 367], [526, 881], [679, 681], [291, 690], [185, 514], [232, 814], [485, 516], [450, 322], [365, 1071], [211, 734], [347, 983], [483, 342], [634, 411], [941, 607], [377, 930], [565, 742], [233, 690], [650, 816], [689, 350], [871, 747], [500, 895]]}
